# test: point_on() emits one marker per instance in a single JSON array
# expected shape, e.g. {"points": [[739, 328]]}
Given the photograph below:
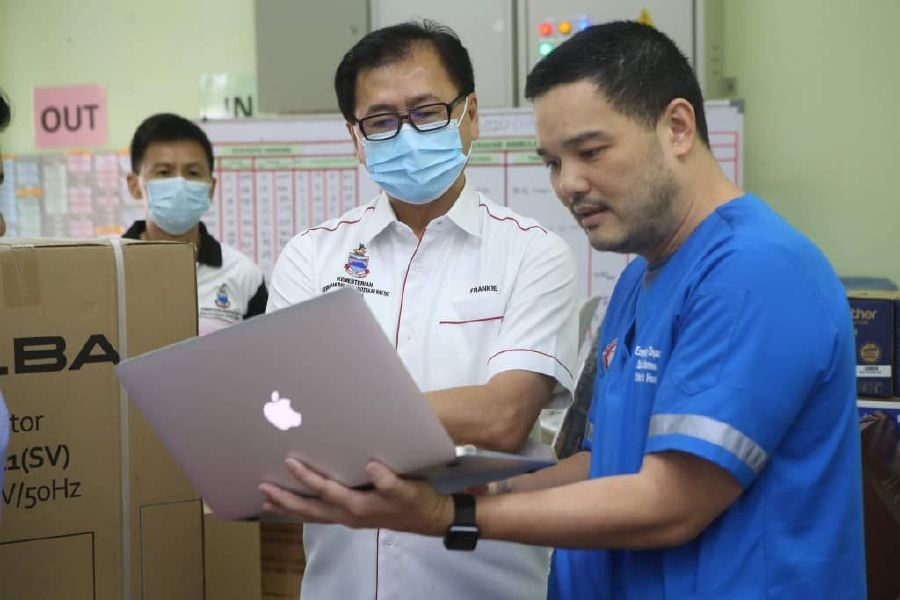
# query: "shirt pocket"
{"points": [[472, 311]]}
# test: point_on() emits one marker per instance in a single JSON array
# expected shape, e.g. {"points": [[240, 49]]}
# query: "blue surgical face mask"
{"points": [[176, 204], [416, 167]]}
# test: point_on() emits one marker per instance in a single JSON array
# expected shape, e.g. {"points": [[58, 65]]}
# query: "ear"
{"points": [[357, 147], [212, 189], [134, 186], [679, 124], [473, 116]]}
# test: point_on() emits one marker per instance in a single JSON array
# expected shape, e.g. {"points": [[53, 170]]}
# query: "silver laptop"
{"points": [[319, 381]]}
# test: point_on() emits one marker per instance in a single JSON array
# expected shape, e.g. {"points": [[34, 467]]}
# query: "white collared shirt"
{"points": [[229, 293], [484, 291], [230, 287]]}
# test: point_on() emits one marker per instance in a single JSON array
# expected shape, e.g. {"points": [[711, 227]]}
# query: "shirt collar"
{"points": [[382, 216], [465, 213], [209, 251]]}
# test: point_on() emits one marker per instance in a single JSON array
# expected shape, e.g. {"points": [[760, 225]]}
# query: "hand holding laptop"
{"points": [[395, 503]]}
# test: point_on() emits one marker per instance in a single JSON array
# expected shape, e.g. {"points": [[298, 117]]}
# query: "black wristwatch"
{"points": [[463, 532]]}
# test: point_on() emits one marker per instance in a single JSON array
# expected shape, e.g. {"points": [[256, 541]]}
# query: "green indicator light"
{"points": [[545, 48]]}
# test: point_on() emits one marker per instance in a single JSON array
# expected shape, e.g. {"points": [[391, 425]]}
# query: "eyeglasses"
{"points": [[425, 118]]}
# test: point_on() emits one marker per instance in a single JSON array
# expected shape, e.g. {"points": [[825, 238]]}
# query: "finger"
{"points": [[270, 508], [385, 480], [274, 496], [287, 504], [309, 478], [329, 491]]}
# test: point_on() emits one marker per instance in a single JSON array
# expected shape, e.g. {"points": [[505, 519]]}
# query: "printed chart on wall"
{"points": [[278, 177], [67, 194]]}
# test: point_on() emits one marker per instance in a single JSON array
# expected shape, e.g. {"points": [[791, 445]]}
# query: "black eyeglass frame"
{"points": [[404, 116]]}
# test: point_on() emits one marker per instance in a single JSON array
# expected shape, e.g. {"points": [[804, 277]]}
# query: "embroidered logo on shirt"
{"points": [[608, 353], [358, 262], [222, 300]]}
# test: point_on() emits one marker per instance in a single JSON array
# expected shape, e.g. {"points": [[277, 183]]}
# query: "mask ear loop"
{"points": [[456, 123], [359, 137]]}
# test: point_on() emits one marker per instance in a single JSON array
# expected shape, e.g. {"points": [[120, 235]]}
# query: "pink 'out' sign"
{"points": [[71, 116]]}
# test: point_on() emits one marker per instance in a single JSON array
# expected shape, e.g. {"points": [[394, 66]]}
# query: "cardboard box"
{"points": [[897, 347], [283, 561], [873, 407], [873, 324], [252, 560], [232, 551], [93, 506]]}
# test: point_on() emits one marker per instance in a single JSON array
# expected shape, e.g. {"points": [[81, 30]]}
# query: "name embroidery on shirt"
{"points": [[481, 289], [647, 367]]}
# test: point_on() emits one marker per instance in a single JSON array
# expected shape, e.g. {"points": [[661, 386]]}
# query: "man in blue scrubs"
{"points": [[722, 451]]}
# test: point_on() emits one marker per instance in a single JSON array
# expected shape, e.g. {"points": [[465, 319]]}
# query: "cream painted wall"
{"points": [[149, 55], [822, 85], [821, 82]]}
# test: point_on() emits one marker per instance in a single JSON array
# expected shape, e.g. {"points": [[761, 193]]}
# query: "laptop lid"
{"points": [[318, 380]]}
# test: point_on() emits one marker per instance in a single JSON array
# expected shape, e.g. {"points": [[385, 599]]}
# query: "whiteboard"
{"points": [[279, 176]]}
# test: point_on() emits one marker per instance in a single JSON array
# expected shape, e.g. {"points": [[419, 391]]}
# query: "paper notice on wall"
{"points": [[228, 96]]}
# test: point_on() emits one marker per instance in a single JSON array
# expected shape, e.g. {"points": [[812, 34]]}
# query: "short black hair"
{"points": [[639, 69], [167, 127], [5, 111], [390, 44]]}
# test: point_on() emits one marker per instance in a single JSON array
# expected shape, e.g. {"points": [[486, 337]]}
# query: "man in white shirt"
{"points": [[479, 302], [172, 170]]}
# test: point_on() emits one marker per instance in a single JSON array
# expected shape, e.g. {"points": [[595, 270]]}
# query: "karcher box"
{"points": [[897, 347], [93, 506], [873, 324]]}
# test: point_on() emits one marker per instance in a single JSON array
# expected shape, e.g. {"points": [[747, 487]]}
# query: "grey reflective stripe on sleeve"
{"points": [[715, 432]]}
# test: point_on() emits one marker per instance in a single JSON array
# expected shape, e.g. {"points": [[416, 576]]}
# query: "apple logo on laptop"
{"points": [[278, 412]]}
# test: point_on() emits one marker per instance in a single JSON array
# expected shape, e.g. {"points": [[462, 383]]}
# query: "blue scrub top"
{"points": [[738, 349]]}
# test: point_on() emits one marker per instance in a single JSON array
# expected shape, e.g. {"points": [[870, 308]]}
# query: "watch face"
{"points": [[461, 537]]}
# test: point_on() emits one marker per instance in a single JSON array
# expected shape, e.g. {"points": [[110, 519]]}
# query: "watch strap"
{"points": [[463, 509]]}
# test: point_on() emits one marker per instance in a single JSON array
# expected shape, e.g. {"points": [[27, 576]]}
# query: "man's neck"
{"points": [[698, 198], [418, 216], [155, 234]]}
